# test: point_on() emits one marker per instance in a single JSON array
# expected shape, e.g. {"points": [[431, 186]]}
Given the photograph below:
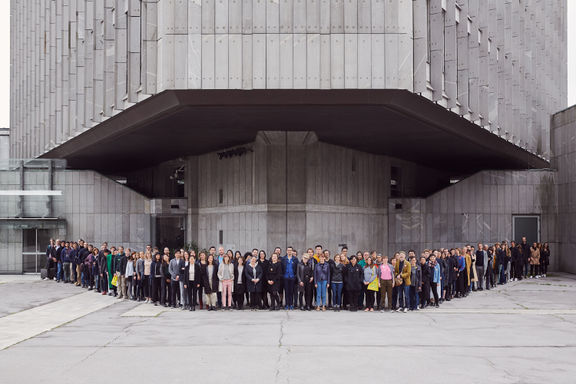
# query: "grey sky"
{"points": [[5, 58]]}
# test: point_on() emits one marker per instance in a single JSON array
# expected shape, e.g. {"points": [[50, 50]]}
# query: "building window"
{"points": [[220, 196], [220, 237]]}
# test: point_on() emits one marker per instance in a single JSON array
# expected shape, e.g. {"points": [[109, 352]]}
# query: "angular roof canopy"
{"points": [[397, 123]]}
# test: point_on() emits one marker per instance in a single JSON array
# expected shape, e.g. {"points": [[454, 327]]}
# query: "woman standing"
{"points": [[263, 261], [165, 283], [191, 277], [210, 282], [156, 279], [201, 264], [353, 282], [239, 283], [544, 259], [321, 282], [129, 275], [337, 282], [371, 283], [253, 273], [435, 278], [272, 277], [226, 277], [535, 261], [305, 276]]}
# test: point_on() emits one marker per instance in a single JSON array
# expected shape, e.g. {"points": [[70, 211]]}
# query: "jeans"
{"points": [[321, 293], [337, 293], [183, 294], [480, 273], [59, 271], [404, 296], [66, 269]]}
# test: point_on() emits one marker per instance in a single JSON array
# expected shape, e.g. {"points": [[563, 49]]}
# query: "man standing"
{"points": [[174, 268], [289, 269], [402, 273], [481, 256], [525, 256], [120, 262], [50, 259]]}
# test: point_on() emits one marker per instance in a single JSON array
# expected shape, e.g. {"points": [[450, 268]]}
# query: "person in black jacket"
{"points": [[165, 281], [263, 261], [190, 276], [239, 283], [209, 273], [425, 291], [305, 275], [353, 282], [103, 269], [272, 277], [156, 278], [253, 273]]}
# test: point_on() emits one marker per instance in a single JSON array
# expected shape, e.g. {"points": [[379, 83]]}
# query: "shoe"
{"points": [[324, 308], [103, 293], [405, 310], [399, 309], [317, 308], [371, 309], [366, 310]]}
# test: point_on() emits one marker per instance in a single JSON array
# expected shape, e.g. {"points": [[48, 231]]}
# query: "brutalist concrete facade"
{"points": [[352, 118], [76, 63]]}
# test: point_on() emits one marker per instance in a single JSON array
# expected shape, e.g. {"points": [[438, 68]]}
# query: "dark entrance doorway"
{"points": [[170, 231], [526, 226]]}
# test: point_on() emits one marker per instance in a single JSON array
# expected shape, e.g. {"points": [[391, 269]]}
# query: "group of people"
{"points": [[219, 279]]}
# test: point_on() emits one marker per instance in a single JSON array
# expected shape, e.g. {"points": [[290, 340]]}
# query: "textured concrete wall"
{"points": [[4, 145], [564, 159], [75, 63], [95, 208], [292, 190], [478, 209]]}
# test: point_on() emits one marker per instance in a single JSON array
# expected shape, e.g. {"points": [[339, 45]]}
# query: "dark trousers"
{"points": [[543, 268], [413, 293], [308, 292], [238, 298], [425, 294], [156, 283], [395, 295], [104, 282], [255, 300], [462, 283], [354, 299], [434, 288], [164, 290], [519, 270], [274, 298], [361, 294], [191, 291], [370, 296], [174, 289], [264, 296], [289, 285], [534, 270]]}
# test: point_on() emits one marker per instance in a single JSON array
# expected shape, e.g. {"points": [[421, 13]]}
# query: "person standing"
{"points": [[321, 282], [481, 256], [253, 273], [226, 278], [103, 257], [435, 277], [415, 283], [353, 282], [210, 282], [156, 279], [525, 256], [305, 276], [544, 259], [402, 275], [535, 261], [289, 269], [129, 273], [239, 283], [386, 283], [371, 283], [120, 270], [425, 285], [337, 281]]}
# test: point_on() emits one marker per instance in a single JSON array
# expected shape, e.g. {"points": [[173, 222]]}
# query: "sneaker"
{"points": [[399, 309], [405, 310]]}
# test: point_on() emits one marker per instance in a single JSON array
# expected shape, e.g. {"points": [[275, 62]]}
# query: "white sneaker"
{"points": [[405, 310], [399, 309]]}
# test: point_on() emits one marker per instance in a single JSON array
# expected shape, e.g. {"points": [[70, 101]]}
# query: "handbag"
{"points": [[374, 284], [114, 281]]}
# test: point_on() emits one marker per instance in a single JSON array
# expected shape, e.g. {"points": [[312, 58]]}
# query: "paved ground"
{"points": [[524, 332]]}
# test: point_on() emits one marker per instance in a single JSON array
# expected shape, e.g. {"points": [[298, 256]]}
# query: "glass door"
{"points": [[34, 245]]}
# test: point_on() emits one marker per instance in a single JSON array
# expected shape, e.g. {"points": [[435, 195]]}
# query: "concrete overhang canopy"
{"points": [[397, 123]]}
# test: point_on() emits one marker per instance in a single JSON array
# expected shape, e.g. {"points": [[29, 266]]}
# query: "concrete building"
{"points": [[259, 123], [4, 144]]}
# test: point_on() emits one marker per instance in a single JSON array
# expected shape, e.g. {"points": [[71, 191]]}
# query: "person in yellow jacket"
{"points": [[402, 275]]}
